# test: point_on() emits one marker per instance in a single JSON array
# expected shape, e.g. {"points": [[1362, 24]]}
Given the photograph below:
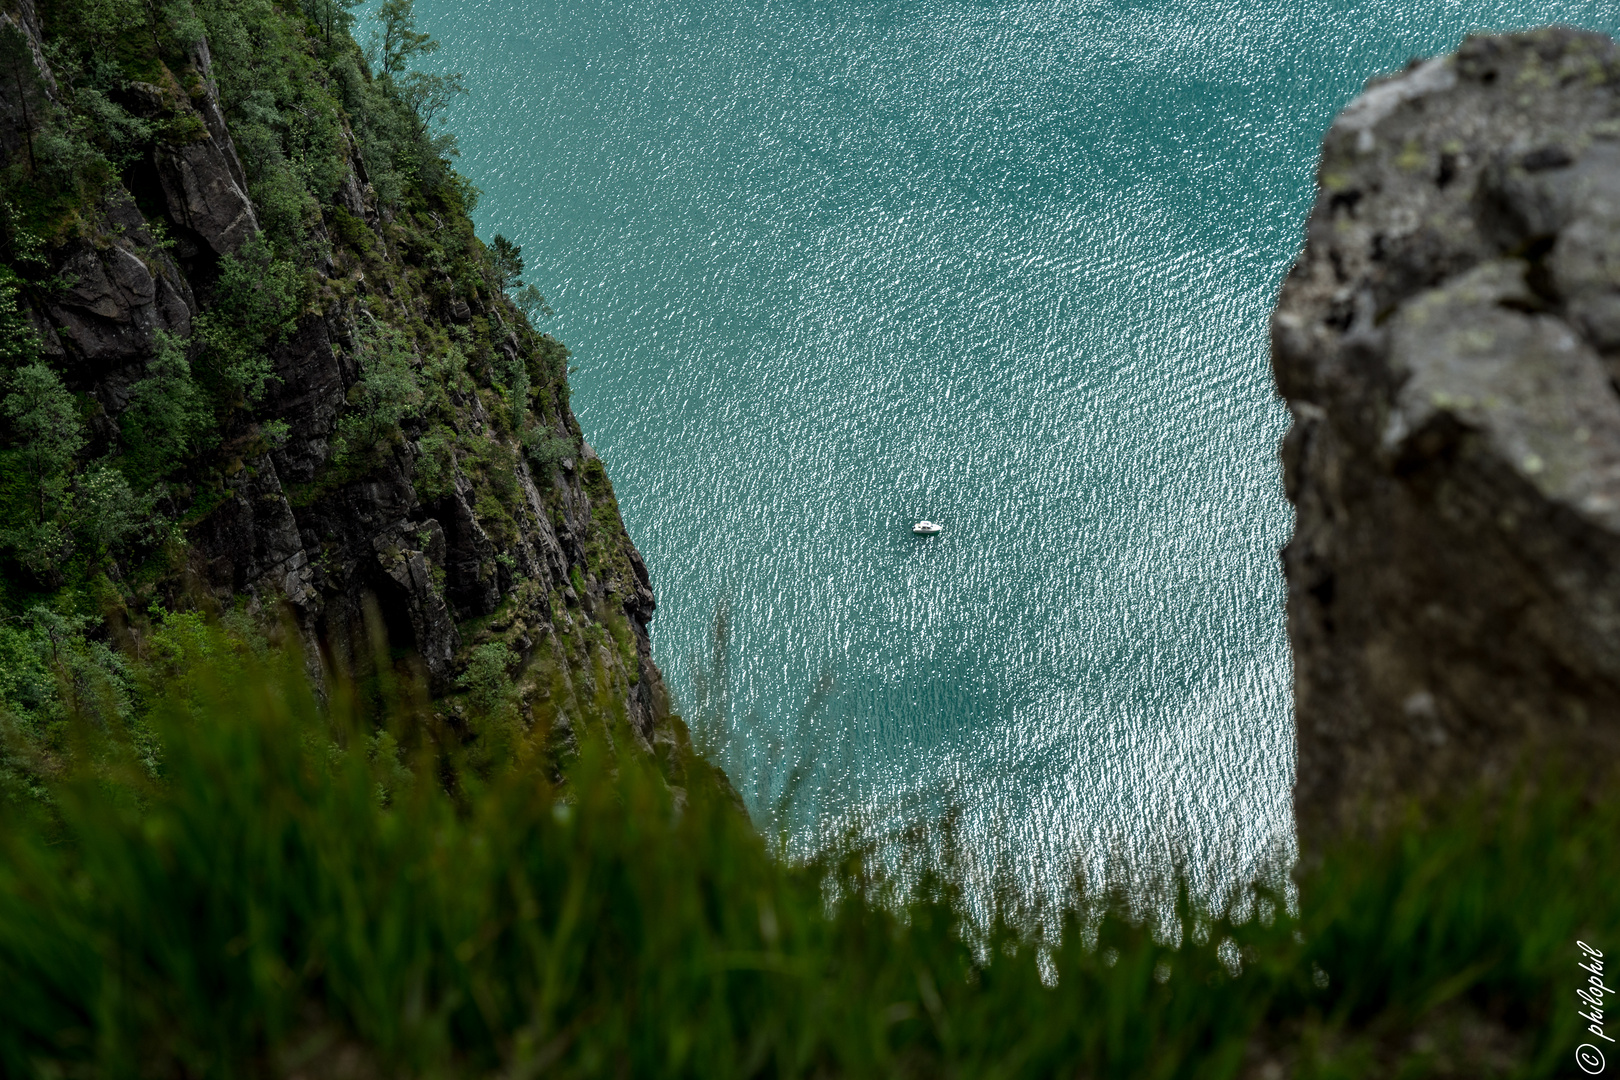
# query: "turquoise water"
{"points": [[829, 268]]}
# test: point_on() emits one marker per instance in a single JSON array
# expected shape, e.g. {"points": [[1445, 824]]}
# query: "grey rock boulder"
{"points": [[120, 296], [407, 553], [1448, 343], [202, 180]]}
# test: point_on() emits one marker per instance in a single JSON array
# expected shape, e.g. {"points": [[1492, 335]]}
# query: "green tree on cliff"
{"points": [[43, 433], [507, 259], [394, 45], [167, 418], [397, 40], [332, 16]]}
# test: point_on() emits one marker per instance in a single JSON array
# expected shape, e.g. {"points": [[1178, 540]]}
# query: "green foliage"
{"points": [[352, 231], [497, 734], [549, 365], [275, 433], [130, 29], [285, 110], [64, 157], [22, 246], [435, 475], [28, 685], [386, 392], [534, 305], [444, 371], [488, 686], [289, 80], [178, 645], [303, 108], [331, 16], [168, 416], [125, 137], [257, 301], [430, 95], [42, 433], [51, 670], [400, 113], [97, 27], [61, 167], [546, 449], [109, 511], [493, 468], [396, 40], [47, 500], [512, 377], [507, 260], [294, 890]]}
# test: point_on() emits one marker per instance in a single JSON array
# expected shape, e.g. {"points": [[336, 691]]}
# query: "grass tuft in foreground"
{"points": [[287, 892]]}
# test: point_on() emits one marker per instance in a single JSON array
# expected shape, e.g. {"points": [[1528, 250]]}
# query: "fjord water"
{"points": [[828, 268]]}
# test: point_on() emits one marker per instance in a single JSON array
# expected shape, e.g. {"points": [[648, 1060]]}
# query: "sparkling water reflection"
{"points": [[833, 267]]}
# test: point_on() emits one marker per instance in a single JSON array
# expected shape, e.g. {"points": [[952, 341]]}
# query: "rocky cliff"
{"points": [[1449, 345], [286, 375]]}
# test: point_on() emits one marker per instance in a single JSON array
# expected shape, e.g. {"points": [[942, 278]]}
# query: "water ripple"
{"points": [[832, 268]]}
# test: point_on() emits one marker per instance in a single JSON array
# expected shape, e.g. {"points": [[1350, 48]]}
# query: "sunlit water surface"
{"points": [[828, 268]]}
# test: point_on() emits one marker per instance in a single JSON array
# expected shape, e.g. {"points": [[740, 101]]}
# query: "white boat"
{"points": [[926, 528]]}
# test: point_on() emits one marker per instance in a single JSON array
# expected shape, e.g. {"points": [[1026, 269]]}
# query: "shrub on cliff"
{"points": [[119, 445], [258, 298]]}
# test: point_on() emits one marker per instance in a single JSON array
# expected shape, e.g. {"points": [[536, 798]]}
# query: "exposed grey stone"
{"points": [[203, 181], [207, 105], [308, 394], [407, 552], [250, 542], [115, 305], [203, 197], [1447, 343], [473, 586]]}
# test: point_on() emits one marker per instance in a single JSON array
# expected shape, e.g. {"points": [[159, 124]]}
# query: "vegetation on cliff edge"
{"points": [[106, 477], [250, 883]]}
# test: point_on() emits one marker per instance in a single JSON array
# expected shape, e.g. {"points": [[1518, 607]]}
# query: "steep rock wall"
{"points": [[1449, 345], [446, 529]]}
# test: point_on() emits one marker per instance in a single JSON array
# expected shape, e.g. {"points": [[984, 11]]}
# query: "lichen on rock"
{"points": [[1449, 345]]}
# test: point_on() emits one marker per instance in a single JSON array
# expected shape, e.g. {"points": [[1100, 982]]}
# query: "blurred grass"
{"points": [[295, 891]]}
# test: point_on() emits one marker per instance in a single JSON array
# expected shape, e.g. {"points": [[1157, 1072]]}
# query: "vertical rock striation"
{"points": [[500, 545], [1449, 345]]}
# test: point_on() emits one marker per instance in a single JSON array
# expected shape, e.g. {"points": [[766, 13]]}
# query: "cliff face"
{"points": [[1449, 345], [375, 432]]}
